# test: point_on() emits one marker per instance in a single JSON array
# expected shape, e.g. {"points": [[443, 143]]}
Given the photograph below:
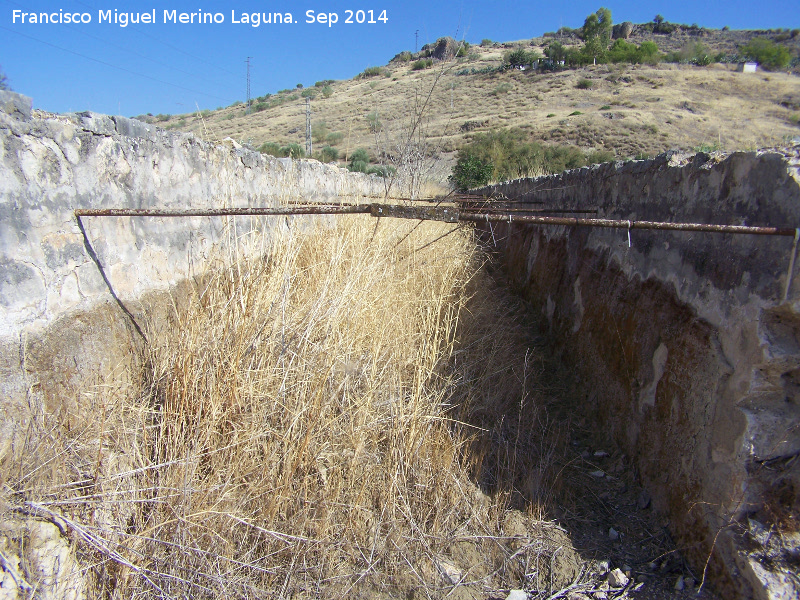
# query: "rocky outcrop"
{"points": [[622, 30], [686, 345], [444, 48]]}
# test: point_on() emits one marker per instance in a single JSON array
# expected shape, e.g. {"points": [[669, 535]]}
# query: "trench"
{"points": [[364, 407], [519, 489]]}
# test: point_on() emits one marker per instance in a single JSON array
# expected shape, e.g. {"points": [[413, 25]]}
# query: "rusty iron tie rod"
{"points": [[451, 215], [631, 224], [225, 212], [445, 214]]}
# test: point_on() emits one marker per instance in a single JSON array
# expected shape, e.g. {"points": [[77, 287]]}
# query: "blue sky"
{"points": [[174, 67]]}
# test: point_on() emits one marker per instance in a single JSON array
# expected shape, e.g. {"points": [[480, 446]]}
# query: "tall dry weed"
{"points": [[323, 421]]}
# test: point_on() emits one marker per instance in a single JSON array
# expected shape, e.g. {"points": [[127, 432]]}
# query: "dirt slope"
{"points": [[632, 110]]}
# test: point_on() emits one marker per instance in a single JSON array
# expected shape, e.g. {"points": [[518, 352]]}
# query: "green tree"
{"points": [[556, 51], [597, 31], [3, 81], [519, 58], [470, 172], [767, 53]]}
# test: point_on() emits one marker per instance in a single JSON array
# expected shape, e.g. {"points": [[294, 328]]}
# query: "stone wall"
{"points": [[684, 348], [71, 292]]}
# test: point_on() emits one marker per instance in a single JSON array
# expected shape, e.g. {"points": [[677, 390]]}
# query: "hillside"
{"points": [[629, 110]]}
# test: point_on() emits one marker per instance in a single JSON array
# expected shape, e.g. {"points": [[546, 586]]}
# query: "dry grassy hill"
{"points": [[630, 110]]}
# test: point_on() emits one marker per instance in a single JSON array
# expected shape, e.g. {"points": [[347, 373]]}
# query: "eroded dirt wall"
{"points": [[685, 352]]}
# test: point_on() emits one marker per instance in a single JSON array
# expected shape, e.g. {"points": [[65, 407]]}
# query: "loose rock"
{"points": [[517, 595], [679, 585], [613, 534], [617, 579]]}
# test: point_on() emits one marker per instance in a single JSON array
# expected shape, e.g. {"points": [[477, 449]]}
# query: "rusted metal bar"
{"points": [[625, 224], [491, 210], [437, 213], [225, 212], [421, 213]]}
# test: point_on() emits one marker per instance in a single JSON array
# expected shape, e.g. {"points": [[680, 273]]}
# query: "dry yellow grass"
{"points": [[352, 415], [652, 108]]}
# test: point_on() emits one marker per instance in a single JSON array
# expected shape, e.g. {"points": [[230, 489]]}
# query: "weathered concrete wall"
{"points": [[60, 326], [687, 354]]}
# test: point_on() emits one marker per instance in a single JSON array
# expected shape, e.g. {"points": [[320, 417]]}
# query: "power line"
{"points": [[141, 31], [102, 62], [79, 30]]}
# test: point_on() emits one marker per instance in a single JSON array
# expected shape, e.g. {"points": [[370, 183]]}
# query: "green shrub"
{"points": [[693, 53], [292, 151], [584, 84], [605, 107], [270, 148], [486, 42], [622, 51], [661, 26], [551, 115], [360, 155], [160, 117], [403, 57], [511, 155], [794, 119], [324, 83], [357, 166], [575, 113], [309, 93], [381, 170], [503, 88], [470, 172], [327, 91], [259, 106], [329, 154], [319, 131], [766, 53], [334, 138], [299, 86], [423, 63], [373, 72]]}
